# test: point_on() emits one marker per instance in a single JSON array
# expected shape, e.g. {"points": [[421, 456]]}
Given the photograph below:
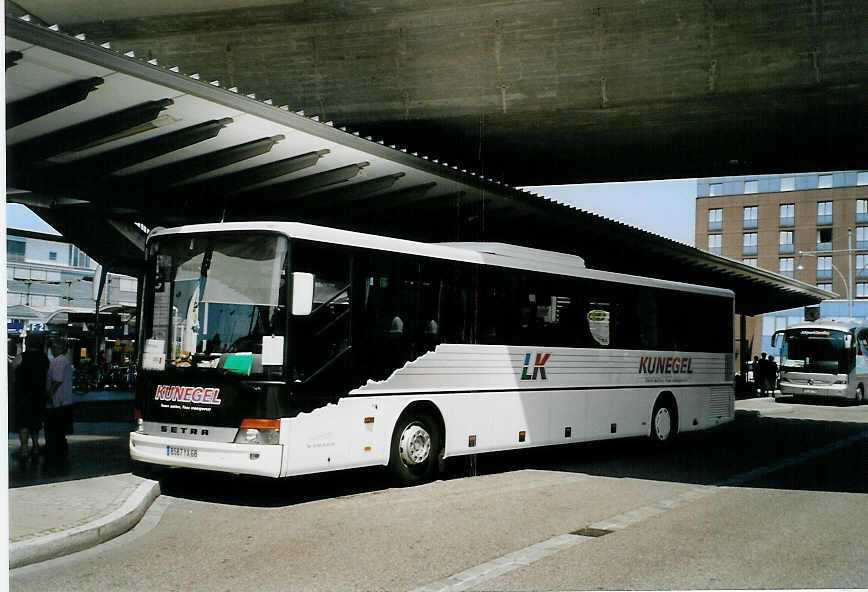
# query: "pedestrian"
{"points": [[763, 373], [772, 375], [58, 413], [756, 376], [30, 379]]}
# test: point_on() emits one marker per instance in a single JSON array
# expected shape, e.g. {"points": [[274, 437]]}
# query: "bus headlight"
{"points": [[842, 379], [258, 431]]}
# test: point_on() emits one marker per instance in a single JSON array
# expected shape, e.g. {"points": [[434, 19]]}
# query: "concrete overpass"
{"points": [[534, 93]]}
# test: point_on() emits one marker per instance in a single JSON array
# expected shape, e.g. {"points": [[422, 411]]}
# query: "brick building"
{"points": [[797, 225]]}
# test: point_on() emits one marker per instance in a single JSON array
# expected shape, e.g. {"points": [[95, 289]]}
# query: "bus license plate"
{"points": [[181, 451]]}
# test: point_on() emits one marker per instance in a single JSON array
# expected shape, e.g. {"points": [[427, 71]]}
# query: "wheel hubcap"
{"points": [[662, 423], [415, 445]]}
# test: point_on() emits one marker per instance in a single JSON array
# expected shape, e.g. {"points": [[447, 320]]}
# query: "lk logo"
{"points": [[538, 367]]}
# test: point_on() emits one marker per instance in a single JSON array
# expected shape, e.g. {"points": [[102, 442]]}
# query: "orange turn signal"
{"points": [[260, 424]]}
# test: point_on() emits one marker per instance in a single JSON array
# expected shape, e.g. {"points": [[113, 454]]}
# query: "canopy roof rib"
{"points": [[156, 146]]}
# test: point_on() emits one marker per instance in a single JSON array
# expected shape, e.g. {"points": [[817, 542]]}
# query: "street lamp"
{"points": [[847, 282]]}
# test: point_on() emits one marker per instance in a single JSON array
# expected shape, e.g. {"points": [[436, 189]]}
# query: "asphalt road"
{"points": [[778, 500]]}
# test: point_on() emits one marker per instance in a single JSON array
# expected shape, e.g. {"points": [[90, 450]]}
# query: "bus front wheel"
{"points": [[415, 451], [664, 421]]}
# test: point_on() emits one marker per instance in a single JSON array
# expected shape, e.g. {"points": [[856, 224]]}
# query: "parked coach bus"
{"points": [[824, 358], [282, 348]]}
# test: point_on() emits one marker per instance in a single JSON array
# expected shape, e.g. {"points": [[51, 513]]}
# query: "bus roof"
{"points": [[830, 324], [496, 254]]}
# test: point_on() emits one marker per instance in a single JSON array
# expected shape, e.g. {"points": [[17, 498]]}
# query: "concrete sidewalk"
{"points": [[56, 519], [63, 507]]}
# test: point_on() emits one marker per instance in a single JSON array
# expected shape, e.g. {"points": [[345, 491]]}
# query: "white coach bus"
{"points": [[824, 358], [282, 349]]}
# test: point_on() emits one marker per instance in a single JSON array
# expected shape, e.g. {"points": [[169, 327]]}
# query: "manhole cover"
{"points": [[591, 532]]}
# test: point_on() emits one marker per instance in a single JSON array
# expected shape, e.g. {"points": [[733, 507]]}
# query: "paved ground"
{"points": [[772, 500]]}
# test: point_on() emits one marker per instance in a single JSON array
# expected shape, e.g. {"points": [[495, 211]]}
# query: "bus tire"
{"points": [[664, 420], [414, 456], [860, 395]]}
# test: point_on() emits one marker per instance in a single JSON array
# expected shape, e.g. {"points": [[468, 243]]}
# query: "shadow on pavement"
{"points": [[95, 449], [715, 456], [711, 457]]}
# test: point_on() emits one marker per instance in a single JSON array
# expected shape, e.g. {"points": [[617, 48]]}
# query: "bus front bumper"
{"points": [[838, 391], [248, 459]]}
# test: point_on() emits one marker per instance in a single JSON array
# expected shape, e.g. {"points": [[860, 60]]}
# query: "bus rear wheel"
{"points": [[664, 421], [416, 448]]}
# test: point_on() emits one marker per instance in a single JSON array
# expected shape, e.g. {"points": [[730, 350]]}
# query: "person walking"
{"points": [[763, 374], [58, 413], [30, 378]]}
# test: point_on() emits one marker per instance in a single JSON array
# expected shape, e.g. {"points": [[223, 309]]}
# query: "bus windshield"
{"points": [[815, 350], [213, 296]]}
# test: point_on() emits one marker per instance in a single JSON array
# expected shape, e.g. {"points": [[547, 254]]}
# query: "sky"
{"points": [[662, 207]]}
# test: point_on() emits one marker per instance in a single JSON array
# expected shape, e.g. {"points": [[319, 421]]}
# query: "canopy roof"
{"points": [[103, 144]]}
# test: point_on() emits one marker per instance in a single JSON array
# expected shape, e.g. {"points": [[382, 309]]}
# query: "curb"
{"points": [[88, 535]]}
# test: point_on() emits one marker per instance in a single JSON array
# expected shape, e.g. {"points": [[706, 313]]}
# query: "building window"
{"points": [[862, 210], [129, 285], [862, 266], [785, 241], [38, 274], [825, 181], [14, 250], [862, 237], [825, 286], [751, 186], [52, 301], [824, 268], [785, 266], [52, 255], [37, 300], [862, 178], [749, 261], [824, 212], [787, 214], [861, 289], [715, 219], [750, 213], [714, 244], [77, 258], [12, 299], [715, 189], [824, 239], [788, 183], [748, 245]]}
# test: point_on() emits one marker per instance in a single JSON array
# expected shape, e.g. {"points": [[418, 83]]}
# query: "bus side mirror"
{"points": [[775, 339], [302, 293]]}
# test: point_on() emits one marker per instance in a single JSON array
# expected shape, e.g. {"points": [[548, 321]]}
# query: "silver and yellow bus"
{"points": [[823, 358]]}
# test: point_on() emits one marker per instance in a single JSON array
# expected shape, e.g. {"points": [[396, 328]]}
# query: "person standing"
{"points": [[763, 374], [772, 375], [30, 378], [58, 413]]}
